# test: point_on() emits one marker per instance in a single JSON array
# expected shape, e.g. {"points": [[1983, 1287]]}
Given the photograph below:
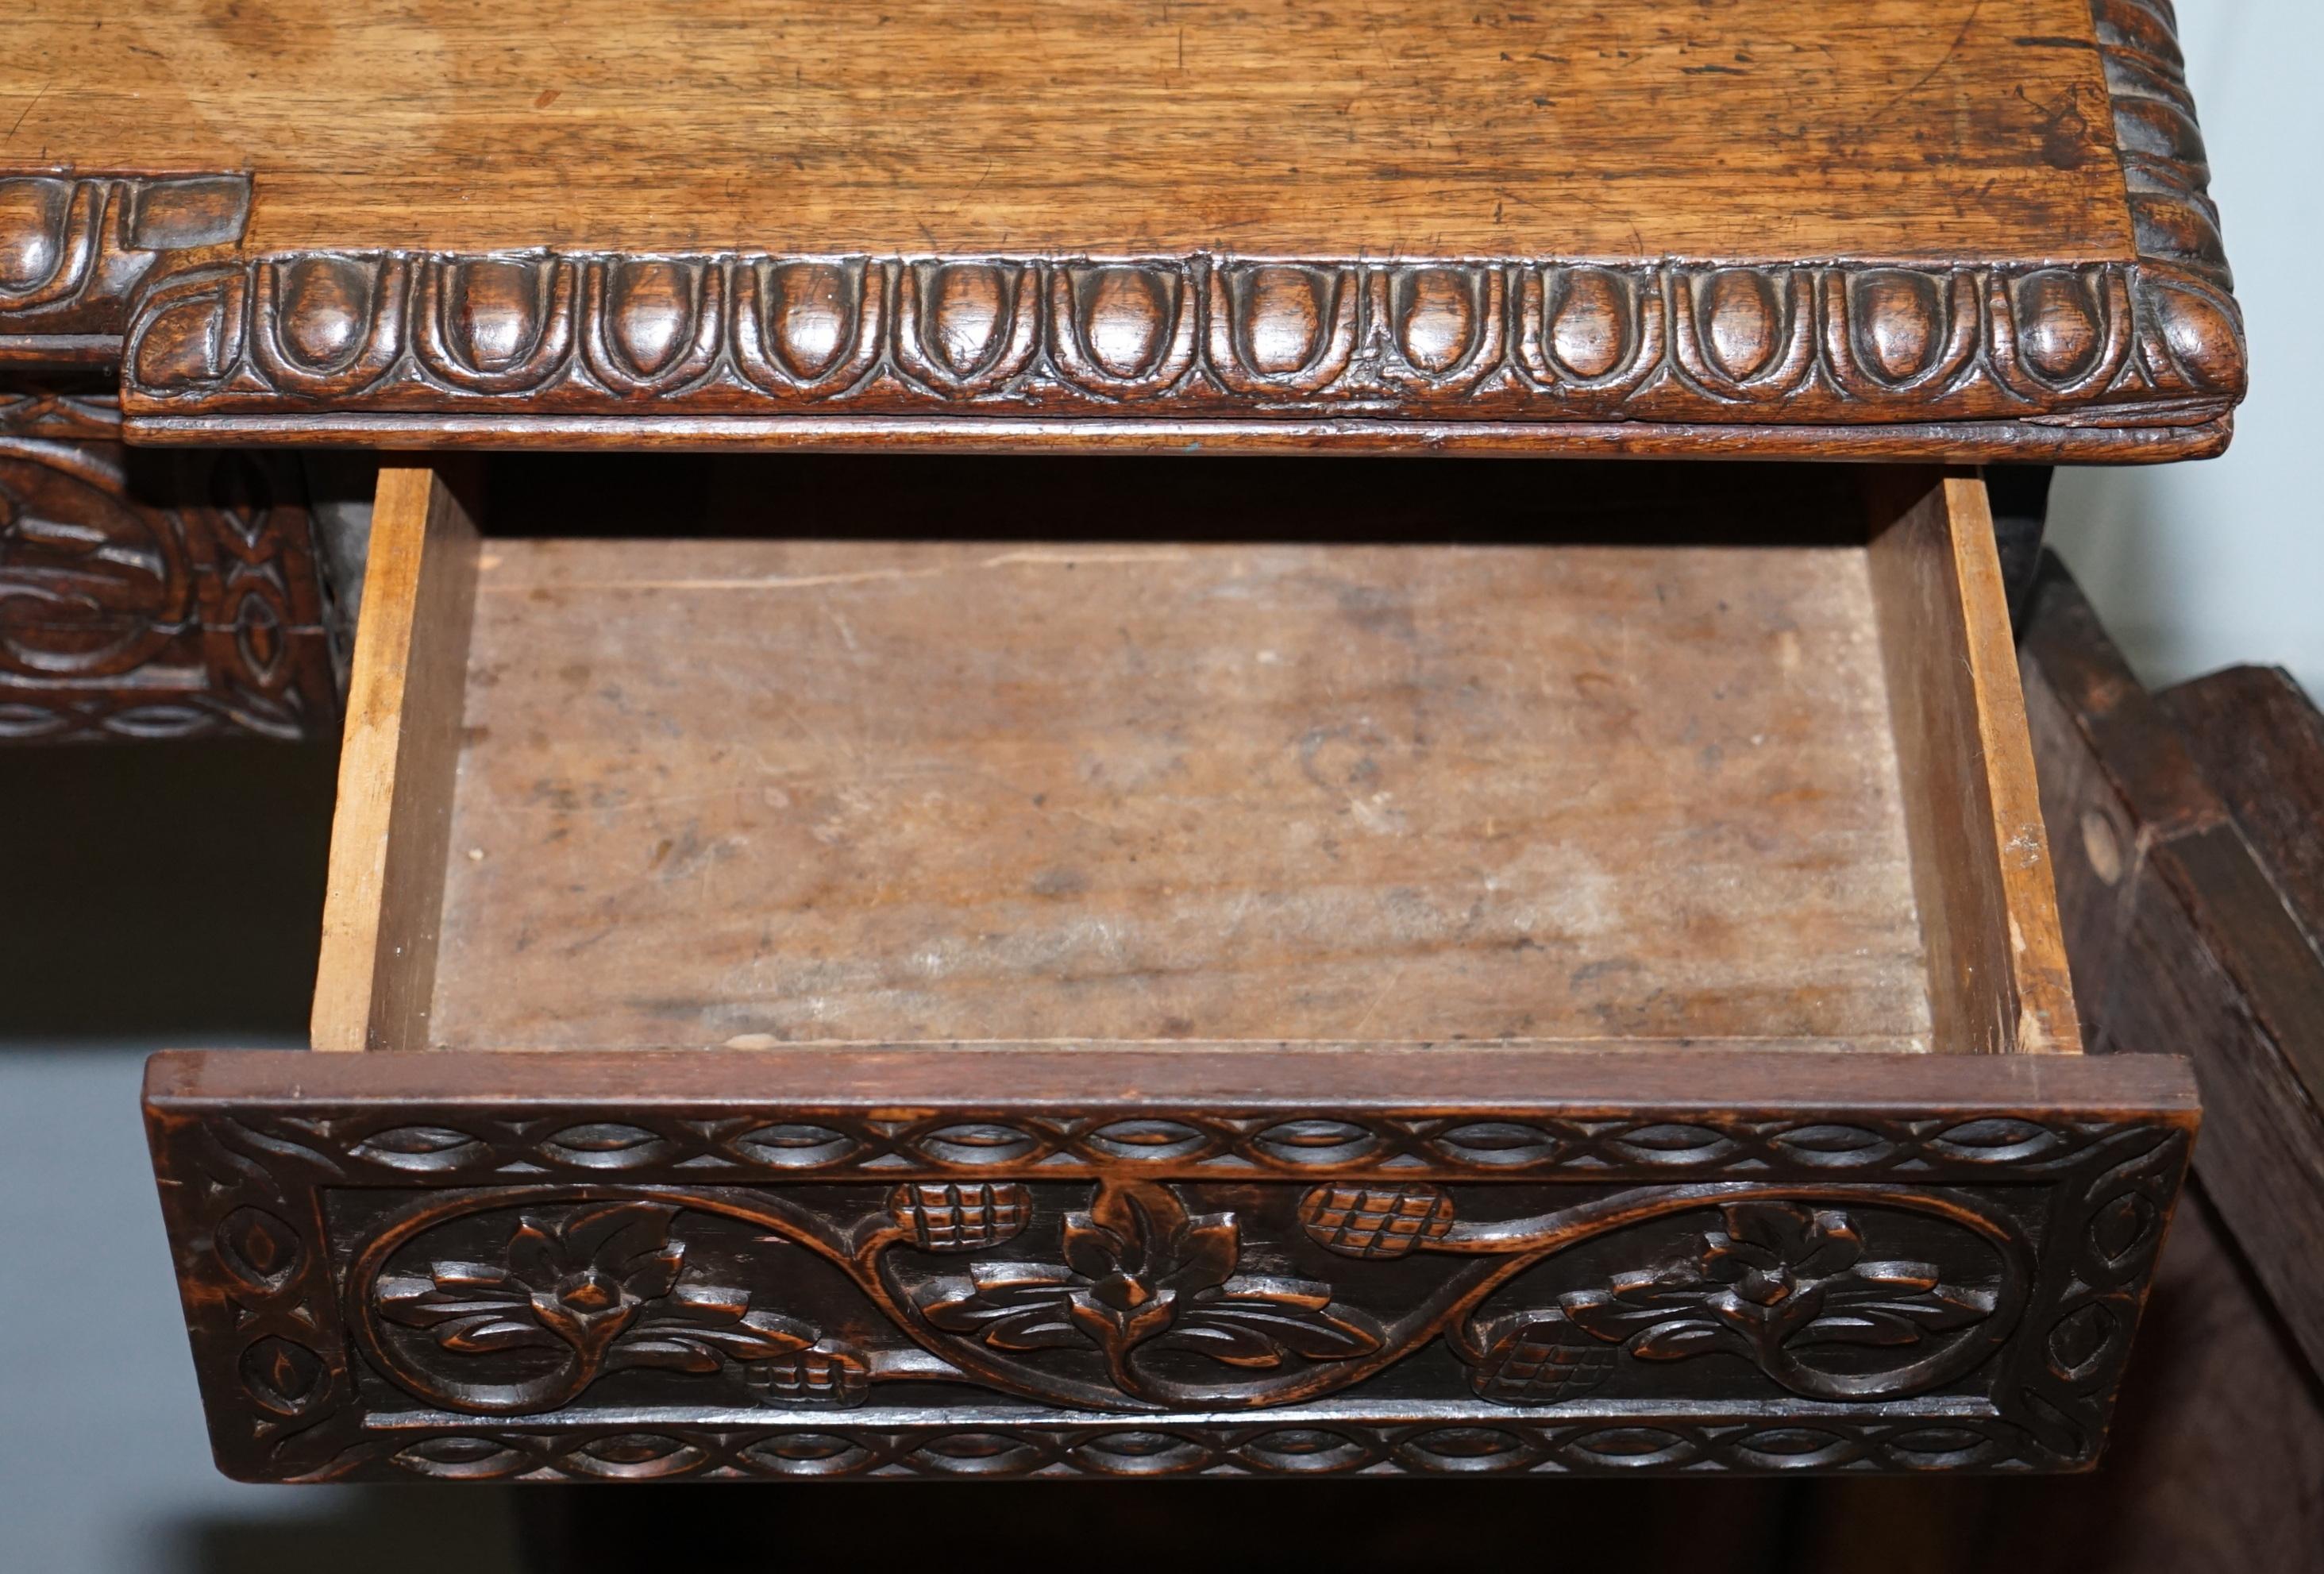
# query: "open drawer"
{"points": [[1230, 968]]}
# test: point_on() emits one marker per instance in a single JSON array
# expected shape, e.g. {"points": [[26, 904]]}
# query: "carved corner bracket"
{"points": [[395, 1290], [74, 248]]}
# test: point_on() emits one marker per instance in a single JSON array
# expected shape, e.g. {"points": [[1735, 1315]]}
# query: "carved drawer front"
{"points": [[1305, 970]]}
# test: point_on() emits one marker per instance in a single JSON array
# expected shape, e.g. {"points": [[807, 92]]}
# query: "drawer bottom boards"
{"points": [[1292, 1001]]}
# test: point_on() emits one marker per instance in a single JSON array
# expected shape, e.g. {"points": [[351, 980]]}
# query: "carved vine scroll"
{"points": [[400, 1290], [1154, 1306]]}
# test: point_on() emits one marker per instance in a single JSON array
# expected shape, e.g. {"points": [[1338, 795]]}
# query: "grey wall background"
{"points": [[157, 893], [167, 894], [2195, 566]]}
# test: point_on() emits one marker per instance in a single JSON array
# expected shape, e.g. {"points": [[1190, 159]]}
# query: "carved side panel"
{"points": [[150, 595], [74, 248], [595, 1292]]}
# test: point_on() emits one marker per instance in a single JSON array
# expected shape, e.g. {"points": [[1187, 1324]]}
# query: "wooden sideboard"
{"points": [[941, 869]]}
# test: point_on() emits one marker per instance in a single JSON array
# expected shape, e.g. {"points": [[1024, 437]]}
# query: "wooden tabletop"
{"points": [[1862, 226]]}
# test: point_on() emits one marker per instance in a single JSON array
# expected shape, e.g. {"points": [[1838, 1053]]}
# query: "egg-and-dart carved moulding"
{"points": [[2141, 356], [712, 337], [74, 246]]}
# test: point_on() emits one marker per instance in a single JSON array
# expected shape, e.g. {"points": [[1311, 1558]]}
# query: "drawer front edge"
{"points": [[457, 1266]]}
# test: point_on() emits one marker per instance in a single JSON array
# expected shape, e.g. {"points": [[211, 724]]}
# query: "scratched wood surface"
{"points": [[758, 791], [1752, 128]]}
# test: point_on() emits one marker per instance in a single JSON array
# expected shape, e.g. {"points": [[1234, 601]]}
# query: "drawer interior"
{"points": [[773, 752]]}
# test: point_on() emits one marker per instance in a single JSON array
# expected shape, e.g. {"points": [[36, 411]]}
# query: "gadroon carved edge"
{"points": [[2166, 173], [471, 1286]]}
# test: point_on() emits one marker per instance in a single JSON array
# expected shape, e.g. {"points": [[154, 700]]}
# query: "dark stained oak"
{"points": [[153, 596], [2188, 825], [929, 1263]]}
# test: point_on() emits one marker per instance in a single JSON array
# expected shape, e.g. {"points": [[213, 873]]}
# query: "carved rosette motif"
{"points": [[404, 1291], [73, 248], [740, 333], [155, 597]]}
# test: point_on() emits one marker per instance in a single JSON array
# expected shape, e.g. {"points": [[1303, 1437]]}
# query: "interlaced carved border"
{"points": [[1290, 1444], [298, 1321], [151, 597], [376, 1146]]}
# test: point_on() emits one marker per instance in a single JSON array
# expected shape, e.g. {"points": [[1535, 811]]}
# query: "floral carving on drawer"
{"points": [[603, 1288], [1136, 1296], [1781, 1284], [410, 1291]]}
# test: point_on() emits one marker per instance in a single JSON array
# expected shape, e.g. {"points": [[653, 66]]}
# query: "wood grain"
{"points": [[766, 792], [380, 914], [1973, 230], [2259, 742], [1980, 854], [1882, 128], [2187, 921]]}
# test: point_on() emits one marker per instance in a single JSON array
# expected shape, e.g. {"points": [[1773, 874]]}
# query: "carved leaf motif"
{"points": [[601, 1280], [1141, 1268], [697, 1324], [1254, 1322], [1011, 1306], [1779, 1278]]}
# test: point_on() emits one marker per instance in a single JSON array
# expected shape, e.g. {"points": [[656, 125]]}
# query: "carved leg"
{"points": [[147, 594]]}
